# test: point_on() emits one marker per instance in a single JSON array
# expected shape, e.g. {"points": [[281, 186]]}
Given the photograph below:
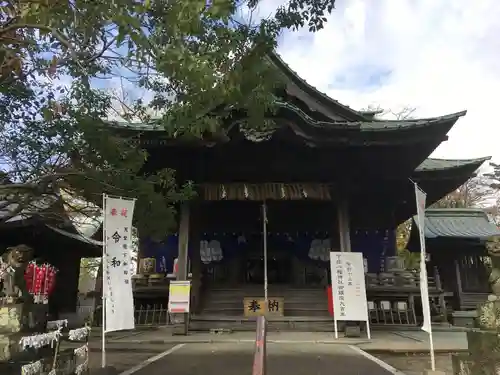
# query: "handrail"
{"points": [[259, 357]]}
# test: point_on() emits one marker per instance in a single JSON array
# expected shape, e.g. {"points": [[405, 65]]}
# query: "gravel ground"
{"points": [[413, 364]]}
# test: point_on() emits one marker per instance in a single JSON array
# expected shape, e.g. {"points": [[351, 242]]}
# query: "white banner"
{"points": [[118, 295], [348, 286], [420, 197]]}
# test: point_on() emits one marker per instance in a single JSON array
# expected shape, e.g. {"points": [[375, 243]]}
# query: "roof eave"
{"points": [[350, 113], [449, 164]]}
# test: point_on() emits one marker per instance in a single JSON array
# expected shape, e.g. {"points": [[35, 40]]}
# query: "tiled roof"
{"points": [[440, 164], [458, 223], [375, 125]]}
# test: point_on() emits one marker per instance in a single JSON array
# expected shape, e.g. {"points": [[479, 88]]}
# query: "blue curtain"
{"points": [[375, 246], [164, 252]]}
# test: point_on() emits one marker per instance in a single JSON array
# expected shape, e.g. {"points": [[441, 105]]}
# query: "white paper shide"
{"points": [[119, 301], [348, 286]]}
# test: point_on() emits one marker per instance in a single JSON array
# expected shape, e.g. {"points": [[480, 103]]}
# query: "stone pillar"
{"points": [[344, 225], [183, 234]]}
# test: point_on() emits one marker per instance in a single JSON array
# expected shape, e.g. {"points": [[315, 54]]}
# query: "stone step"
{"points": [[239, 310], [258, 293], [270, 293], [222, 301], [273, 325]]}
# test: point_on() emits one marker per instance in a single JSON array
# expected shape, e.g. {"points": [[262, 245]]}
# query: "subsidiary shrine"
{"points": [[328, 178]]}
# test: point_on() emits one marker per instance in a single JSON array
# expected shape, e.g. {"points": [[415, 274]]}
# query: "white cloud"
{"points": [[438, 56]]}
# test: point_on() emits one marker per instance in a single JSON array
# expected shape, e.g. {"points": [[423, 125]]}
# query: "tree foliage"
{"points": [[200, 64]]}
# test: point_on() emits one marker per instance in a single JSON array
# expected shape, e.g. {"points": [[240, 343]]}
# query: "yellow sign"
{"points": [[256, 306], [179, 291], [179, 296]]}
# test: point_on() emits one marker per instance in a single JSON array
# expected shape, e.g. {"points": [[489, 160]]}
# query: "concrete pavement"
{"points": [[382, 341], [296, 352], [236, 358]]}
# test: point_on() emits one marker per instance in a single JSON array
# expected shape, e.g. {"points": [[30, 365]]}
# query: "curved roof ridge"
{"points": [[363, 116], [366, 125], [483, 158], [443, 117], [454, 210], [278, 60]]}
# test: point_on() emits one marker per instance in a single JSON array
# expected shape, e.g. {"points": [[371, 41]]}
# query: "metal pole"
{"points": [[103, 264], [259, 357], [264, 229]]}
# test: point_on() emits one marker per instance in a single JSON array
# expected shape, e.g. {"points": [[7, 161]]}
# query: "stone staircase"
{"points": [[305, 309]]}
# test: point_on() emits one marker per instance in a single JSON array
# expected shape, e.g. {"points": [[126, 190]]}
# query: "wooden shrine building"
{"points": [[54, 239], [332, 178], [455, 243]]}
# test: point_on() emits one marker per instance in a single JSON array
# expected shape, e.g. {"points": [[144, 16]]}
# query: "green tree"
{"points": [[201, 64]]}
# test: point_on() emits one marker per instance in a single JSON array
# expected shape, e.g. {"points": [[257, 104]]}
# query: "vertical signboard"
{"points": [[420, 197], [117, 291], [349, 288]]}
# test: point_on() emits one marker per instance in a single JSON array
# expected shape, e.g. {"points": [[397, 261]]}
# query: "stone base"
{"points": [[464, 318], [21, 318], [352, 331], [17, 321], [9, 346], [483, 357]]}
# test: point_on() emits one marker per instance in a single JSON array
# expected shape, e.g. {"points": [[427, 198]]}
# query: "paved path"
{"points": [[124, 357], [236, 358], [382, 341]]}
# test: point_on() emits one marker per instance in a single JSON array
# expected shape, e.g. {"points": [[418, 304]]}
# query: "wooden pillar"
{"points": [[182, 258], [195, 259], [344, 225], [183, 234]]}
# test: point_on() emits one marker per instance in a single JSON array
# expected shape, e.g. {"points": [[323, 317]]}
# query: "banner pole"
{"points": [[264, 230], [335, 325], [420, 198], [103, 264], [433, 359], [368, 330]]}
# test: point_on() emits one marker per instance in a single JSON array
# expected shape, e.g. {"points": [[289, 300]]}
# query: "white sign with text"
{"points": [[119, 300], [349, 288]]}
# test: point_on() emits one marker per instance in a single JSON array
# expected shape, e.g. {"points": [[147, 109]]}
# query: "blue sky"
{"points": [[437, 56]]}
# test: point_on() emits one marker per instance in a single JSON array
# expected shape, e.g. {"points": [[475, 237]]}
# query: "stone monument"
{"points": [[484, 342]]}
